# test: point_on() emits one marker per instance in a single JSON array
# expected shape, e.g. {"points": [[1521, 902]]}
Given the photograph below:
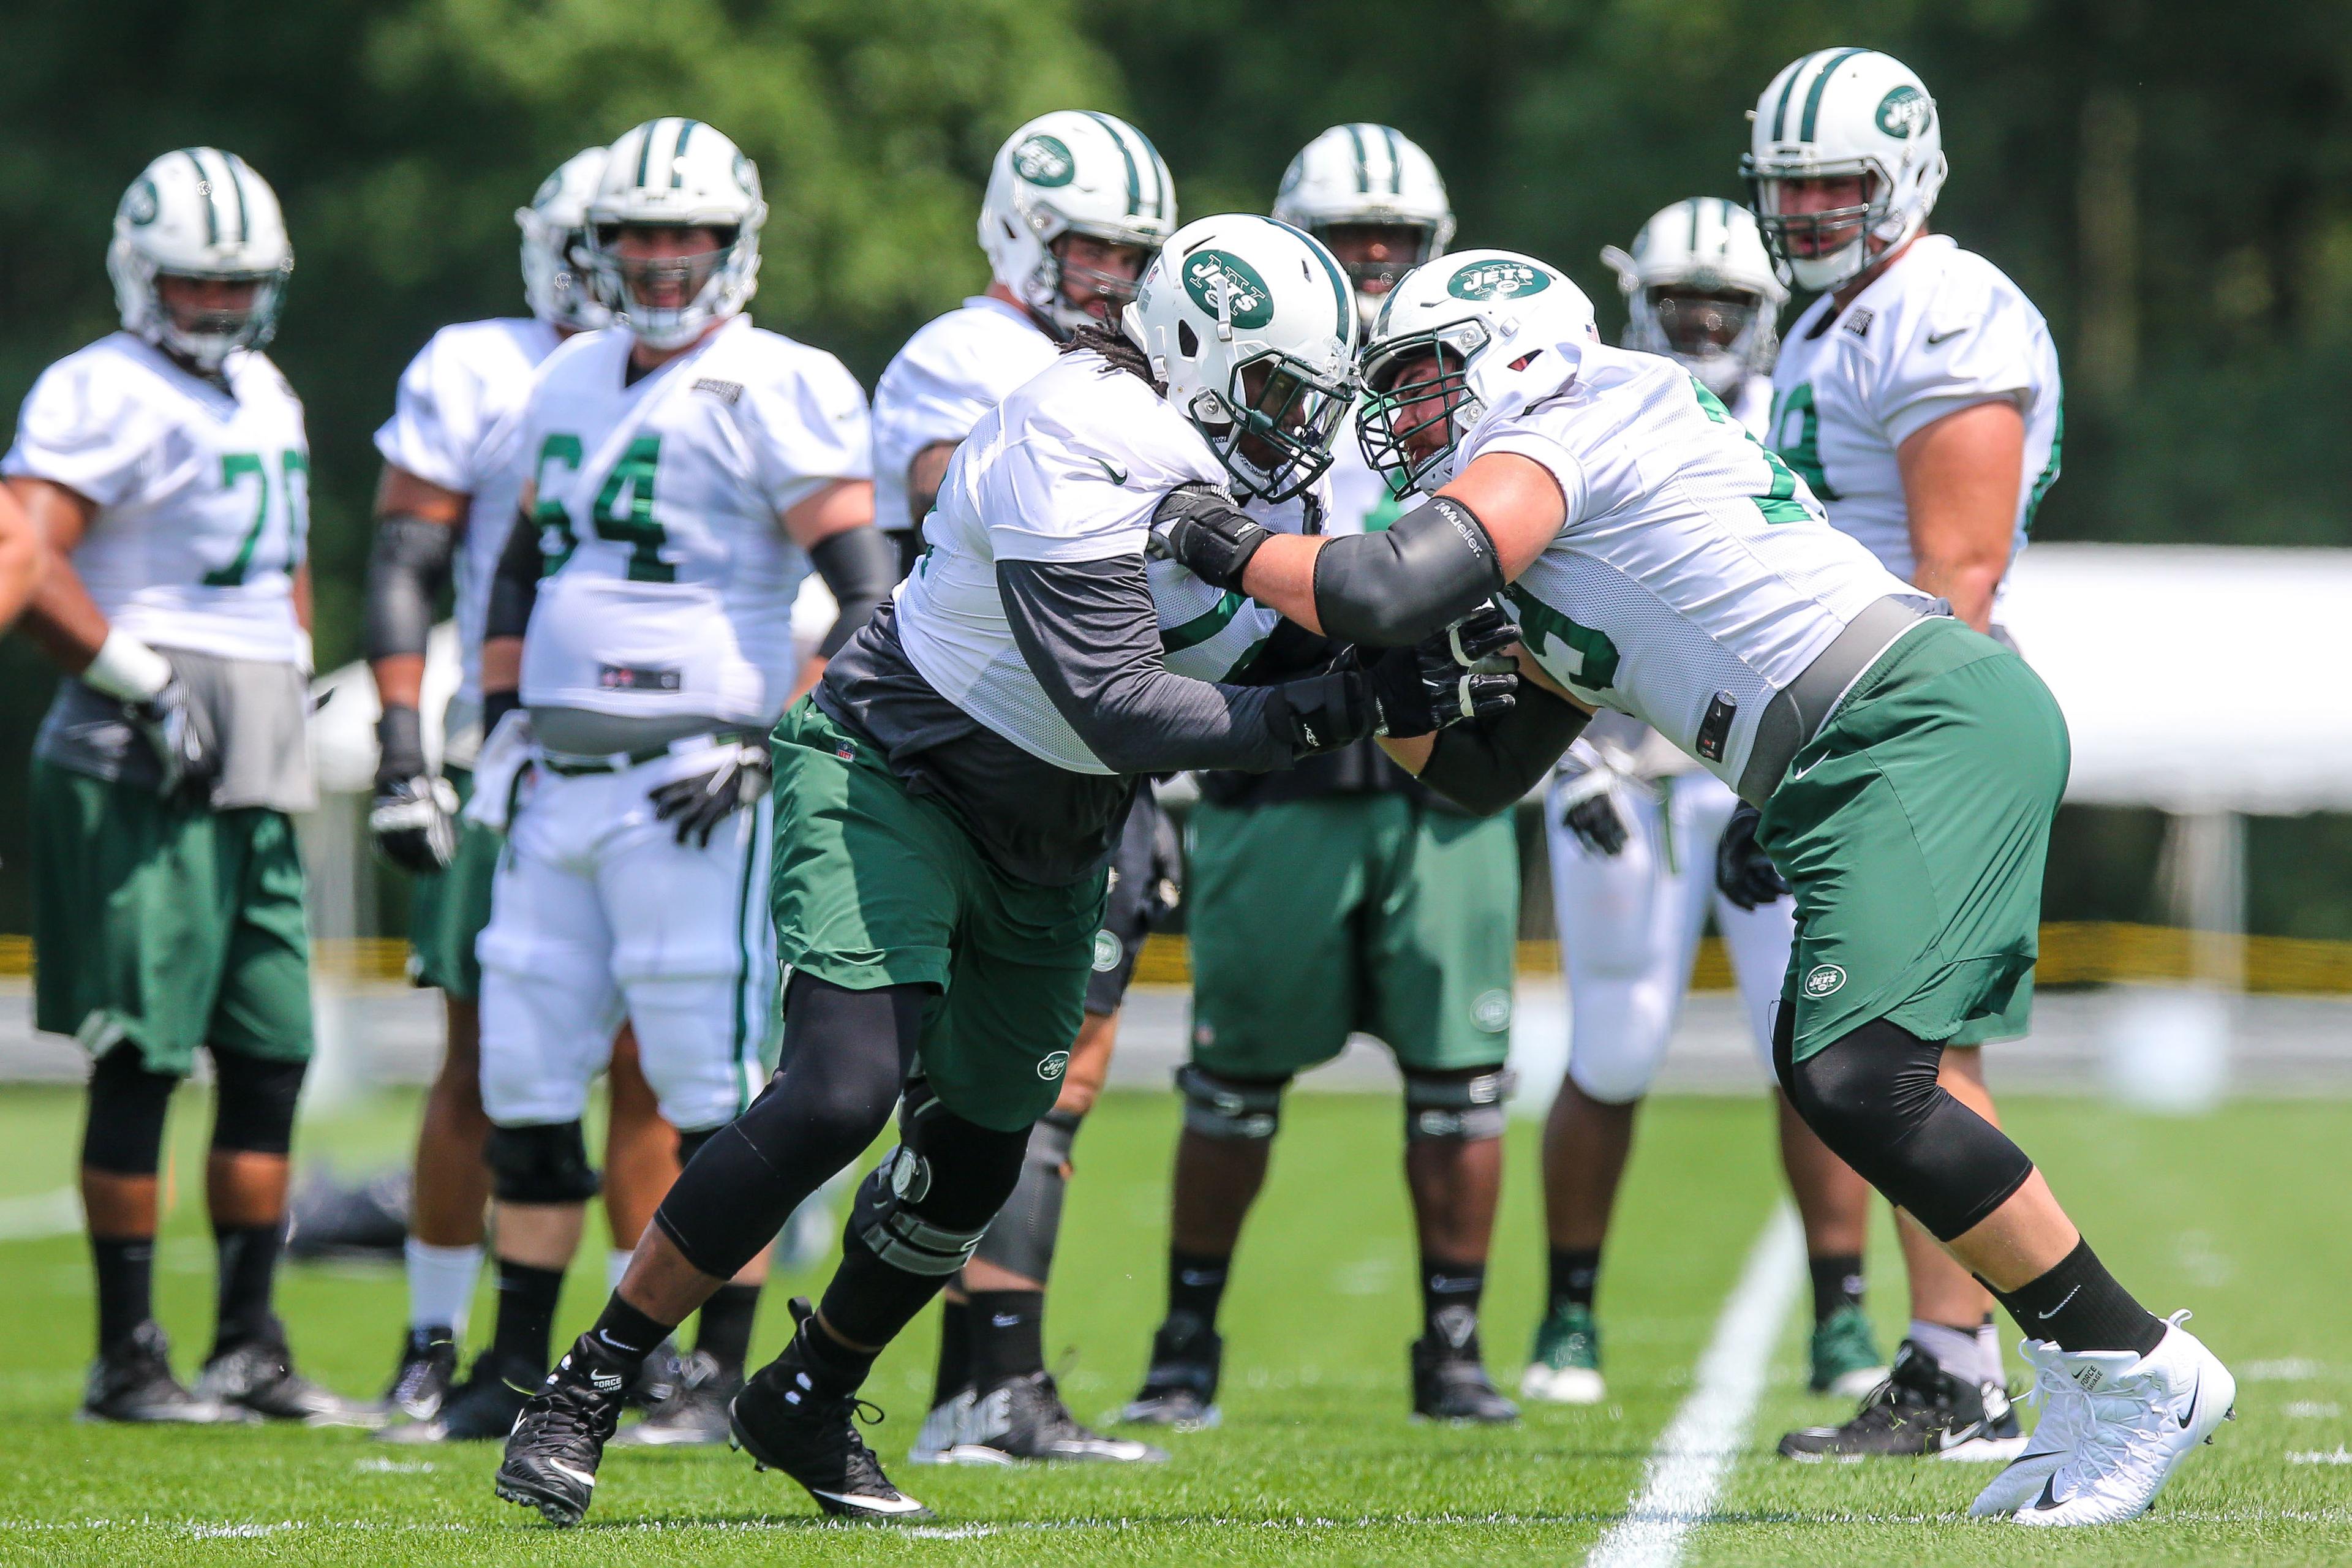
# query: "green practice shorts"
{"points": [[448, 910], [1310, 919], [875, 887], [167, 925], [1913, 830]]}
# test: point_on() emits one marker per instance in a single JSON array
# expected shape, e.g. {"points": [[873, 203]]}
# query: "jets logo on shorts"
{"points": [[1495, 281], [1223, 284], [1824, 979], [1044, 161], [1108, 951], [1905, 113], [1492, 1011], [1054, 1065]]}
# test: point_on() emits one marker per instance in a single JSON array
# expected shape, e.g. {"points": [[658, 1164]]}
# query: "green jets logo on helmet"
{"points": [[140, 204], [1496, 281], [1906, 111], [1211, 276], [1043, 160]]}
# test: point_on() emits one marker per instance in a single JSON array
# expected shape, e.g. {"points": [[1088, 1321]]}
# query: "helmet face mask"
{"points": [[1082, 294], [203, 215], [1401, 246], [1063, 188], [1419, 406], [1274, 424], [669, 177], [1361, 185], [1804, 222], [1845, 117], [1700, 287]]}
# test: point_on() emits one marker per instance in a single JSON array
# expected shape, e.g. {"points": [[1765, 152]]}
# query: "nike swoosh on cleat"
{"points": [[562, 1468], [2189, 1414], [2060, 1307], [877, 1505], [2049, 1497]]}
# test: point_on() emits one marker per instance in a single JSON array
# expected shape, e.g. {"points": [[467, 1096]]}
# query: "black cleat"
{"points": [[559, 1439], [1024, 1420], [131, 1381], [787, 1420], [330, 1218], [428, 1365], [1920, 1411], [694, 1416], [1450, 1381], [479, 1410], [1180, 1388], [258, 1375]]}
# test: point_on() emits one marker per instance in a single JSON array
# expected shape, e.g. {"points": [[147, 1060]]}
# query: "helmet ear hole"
{"points": [[1188, 342]]}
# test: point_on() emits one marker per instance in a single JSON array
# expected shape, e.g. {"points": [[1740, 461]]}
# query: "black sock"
{"points": [[527, 1298], [726, 1329], [1837, 1282], [833, 1367], [2080, 1305], [249, 1267], [623, 1336], [1196, 1283], [1008, 1335], [1575, 1276], [955, 1352], [126, 1286], [1450, 1294]]}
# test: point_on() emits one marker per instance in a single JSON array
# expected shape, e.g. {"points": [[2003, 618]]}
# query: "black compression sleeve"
{"points": [[1430, 568], [1088, 633], [1290, 652], [1486, 765], [406, 568], [860, 567], [515, 589]]}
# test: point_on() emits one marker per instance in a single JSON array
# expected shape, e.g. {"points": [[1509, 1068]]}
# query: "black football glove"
{"points": [[1742, 870], [1597, 823], [1452, 675], [1199, 527], [700, 802], [413, 817], [177, 734]]}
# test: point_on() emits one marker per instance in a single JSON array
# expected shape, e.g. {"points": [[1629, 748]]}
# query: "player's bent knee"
{"points": [[254, 1100], [124, 1136], [925, 1207], [546, 1163], [1459, 1106], [1232, 1108], [1612, 1077]]}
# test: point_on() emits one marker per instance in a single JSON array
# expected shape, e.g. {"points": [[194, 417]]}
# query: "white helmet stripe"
{"points": [[237, 184], [1134, 179], [1396, 160], [1813, 94], [1363, 172], [205, 188], [677, 153]]}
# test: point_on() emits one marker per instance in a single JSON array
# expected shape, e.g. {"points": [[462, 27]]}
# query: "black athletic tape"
{"points": [[860, 567], [253, 1100], [540, 1165], [124, 1134], [1422, 572], [408, 566]]}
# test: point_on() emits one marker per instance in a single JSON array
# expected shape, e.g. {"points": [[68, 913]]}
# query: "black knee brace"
{"points": [[541, 1164], [1459, 1106], [927, 1205], [253, 1103], [1220, 1106], [1872, 1095], [124, 1134], [1022, 1235]]}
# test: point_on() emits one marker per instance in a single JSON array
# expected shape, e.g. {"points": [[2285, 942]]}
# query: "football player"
{"points": [[167, 466], [1402, 909], [1636, 830], [1918, 397], [947, 800], [1662, 563], [1076, 205], [683, 472]]}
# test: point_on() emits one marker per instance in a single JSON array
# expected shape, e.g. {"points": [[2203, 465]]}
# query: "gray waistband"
{"points": [[1798, 709]]}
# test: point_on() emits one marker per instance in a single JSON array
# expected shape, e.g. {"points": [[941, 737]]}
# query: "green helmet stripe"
{"points": [[1813, 97], [237, 184], [204, 186], [1159, 167], [1396, 160], [677, 175], [1363, 173], [1781, 111], [645, 151], [1134, 183], [1694, 233]]}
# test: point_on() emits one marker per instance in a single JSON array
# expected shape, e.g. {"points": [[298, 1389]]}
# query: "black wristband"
{"points": [[497, 705], [400, 744]]}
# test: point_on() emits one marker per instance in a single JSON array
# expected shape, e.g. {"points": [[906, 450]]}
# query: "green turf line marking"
{"points": [[1696, 1450]]}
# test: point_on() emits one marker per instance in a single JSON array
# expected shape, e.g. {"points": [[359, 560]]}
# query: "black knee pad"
{"points": [[1872, 1095], [1220, 1106], [1458, 1106], [253, 1103], [1023, 1236], [926, 1206], [541, 1164], [124, 1134]]}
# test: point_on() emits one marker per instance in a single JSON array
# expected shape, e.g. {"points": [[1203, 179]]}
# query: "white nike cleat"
{"points": [[2065, 1410], [2144, 1414], [1562, 1385], [941, 1428]]}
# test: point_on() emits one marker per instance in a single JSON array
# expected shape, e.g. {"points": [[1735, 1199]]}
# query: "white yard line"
{"points": [[1696, 1450], [54, 1212]]}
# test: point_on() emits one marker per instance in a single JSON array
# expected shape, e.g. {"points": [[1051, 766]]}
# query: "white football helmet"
{"points": [[555, 245], [1699, 287], [676, 173], [199, 213], [1362, 174], [1843, 112], [1451, 312], [1250, 326], [1073, 172]]}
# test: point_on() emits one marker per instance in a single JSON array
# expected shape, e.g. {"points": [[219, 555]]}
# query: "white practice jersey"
{"points": [[1938, 331], [670, 578], [203, 493], [1694, 569], [956, 369], [1753, 406], [454, 424], [1067, 470]]}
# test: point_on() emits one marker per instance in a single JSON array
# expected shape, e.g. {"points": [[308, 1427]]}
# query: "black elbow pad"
{"points": [[514, 587], [406, 566], [1487, 766], [860, 567], [1430, 568]]}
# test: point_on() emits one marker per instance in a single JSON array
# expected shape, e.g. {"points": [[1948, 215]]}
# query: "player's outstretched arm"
{"points": [[23, 559]]}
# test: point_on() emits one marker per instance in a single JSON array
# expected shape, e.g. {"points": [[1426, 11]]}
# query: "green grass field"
{"points": [[2241, 1216]]}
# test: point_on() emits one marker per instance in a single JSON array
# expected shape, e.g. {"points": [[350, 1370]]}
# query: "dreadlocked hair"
{"points": [[1117, 349]]}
